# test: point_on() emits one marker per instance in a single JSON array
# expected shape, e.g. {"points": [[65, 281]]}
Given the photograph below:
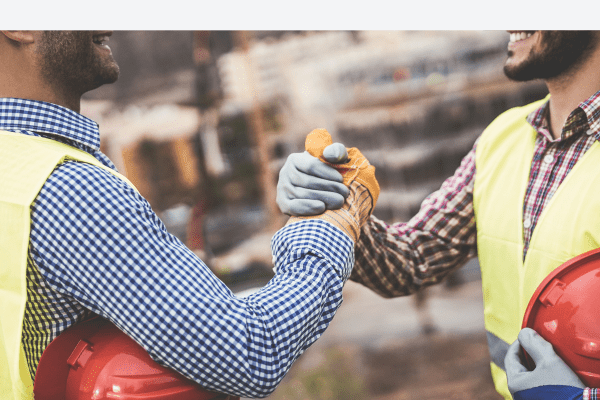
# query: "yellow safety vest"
{"points": [[25, 164], [568, 226]]}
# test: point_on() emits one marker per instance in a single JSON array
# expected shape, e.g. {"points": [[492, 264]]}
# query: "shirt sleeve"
{"points": [[399, 259], [98, 242]]}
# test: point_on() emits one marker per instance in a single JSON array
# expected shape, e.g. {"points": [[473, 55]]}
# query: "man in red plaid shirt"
{"points": [[506, 182]]}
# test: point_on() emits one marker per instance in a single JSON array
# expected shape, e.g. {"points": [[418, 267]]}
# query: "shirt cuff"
{"points": [[318, 238], [590, 394]]}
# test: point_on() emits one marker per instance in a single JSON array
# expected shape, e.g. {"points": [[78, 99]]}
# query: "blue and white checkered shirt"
{"points": [[97, 246]]}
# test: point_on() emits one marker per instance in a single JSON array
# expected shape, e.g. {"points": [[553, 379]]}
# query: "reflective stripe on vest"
{"points": [[25, 164], [498, 349], [568, 226]]}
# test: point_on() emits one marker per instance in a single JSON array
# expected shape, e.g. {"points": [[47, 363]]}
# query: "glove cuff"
{"points": [[341, 219]]}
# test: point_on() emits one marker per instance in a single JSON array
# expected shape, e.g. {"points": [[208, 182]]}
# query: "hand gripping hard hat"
{"points": [[95, 360], [565, 311]]}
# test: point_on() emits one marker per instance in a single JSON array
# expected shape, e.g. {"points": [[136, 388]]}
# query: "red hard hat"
{"points": [[564, 310], [95, 360]]}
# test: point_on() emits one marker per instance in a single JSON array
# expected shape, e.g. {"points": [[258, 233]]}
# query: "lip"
{"points": [[105, 37], [516, 41]]}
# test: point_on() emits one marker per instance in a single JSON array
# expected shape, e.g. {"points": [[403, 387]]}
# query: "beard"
{"points": [[69, 61], [562, 52]]}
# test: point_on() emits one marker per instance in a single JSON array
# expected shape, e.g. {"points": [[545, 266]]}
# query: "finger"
{"points": [[535, 345], [312, 183], [332, 200], [512, 360], [313, 166], [316, 141], [335, 153]]}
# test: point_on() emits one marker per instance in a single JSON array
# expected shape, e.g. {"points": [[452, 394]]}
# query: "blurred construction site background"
{"points": [[202, 121]]}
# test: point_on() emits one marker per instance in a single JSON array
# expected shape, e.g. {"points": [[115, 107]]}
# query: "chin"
{"points": [[113, 76], [513, 73], [107, 76]]}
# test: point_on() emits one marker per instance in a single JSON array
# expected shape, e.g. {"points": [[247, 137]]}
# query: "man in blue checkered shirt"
{"points": [[96, 246]]}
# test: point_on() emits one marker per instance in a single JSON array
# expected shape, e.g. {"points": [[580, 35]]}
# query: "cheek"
{"points": [[80, 45], [550, 42]]}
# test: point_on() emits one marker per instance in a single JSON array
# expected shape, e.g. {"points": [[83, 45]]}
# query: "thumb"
{"points": [[535, 345], [335, 153], [512, 361]]}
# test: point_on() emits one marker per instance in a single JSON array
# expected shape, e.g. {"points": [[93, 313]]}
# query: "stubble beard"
{"points": [[69, 62], [562, 53]]}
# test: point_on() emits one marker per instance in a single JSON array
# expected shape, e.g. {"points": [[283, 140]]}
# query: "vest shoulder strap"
{"points": [[28, 161]]}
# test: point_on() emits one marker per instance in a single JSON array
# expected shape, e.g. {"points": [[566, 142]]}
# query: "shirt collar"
{"points": [[591, 108], [587, 113], [42, 117]]}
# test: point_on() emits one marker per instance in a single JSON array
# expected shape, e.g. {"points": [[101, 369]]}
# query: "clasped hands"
{"points": [[328, 182]]}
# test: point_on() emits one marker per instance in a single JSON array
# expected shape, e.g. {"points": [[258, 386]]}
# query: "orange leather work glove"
{"points": [[358, 175]]}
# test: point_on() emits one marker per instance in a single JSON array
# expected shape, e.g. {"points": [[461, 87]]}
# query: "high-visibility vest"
{"points": [[26, 162], [568, 226]]}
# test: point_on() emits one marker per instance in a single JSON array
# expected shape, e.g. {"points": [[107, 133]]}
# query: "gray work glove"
{"points": [[307, 186], [550, 369]]}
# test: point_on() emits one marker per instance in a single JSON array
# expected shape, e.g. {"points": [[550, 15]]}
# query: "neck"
{"points": [[21, 79], [73, 104], [33, 89], [569, 90]]}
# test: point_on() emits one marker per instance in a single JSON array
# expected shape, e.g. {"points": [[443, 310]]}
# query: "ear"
{"points": [[22, 37]]}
